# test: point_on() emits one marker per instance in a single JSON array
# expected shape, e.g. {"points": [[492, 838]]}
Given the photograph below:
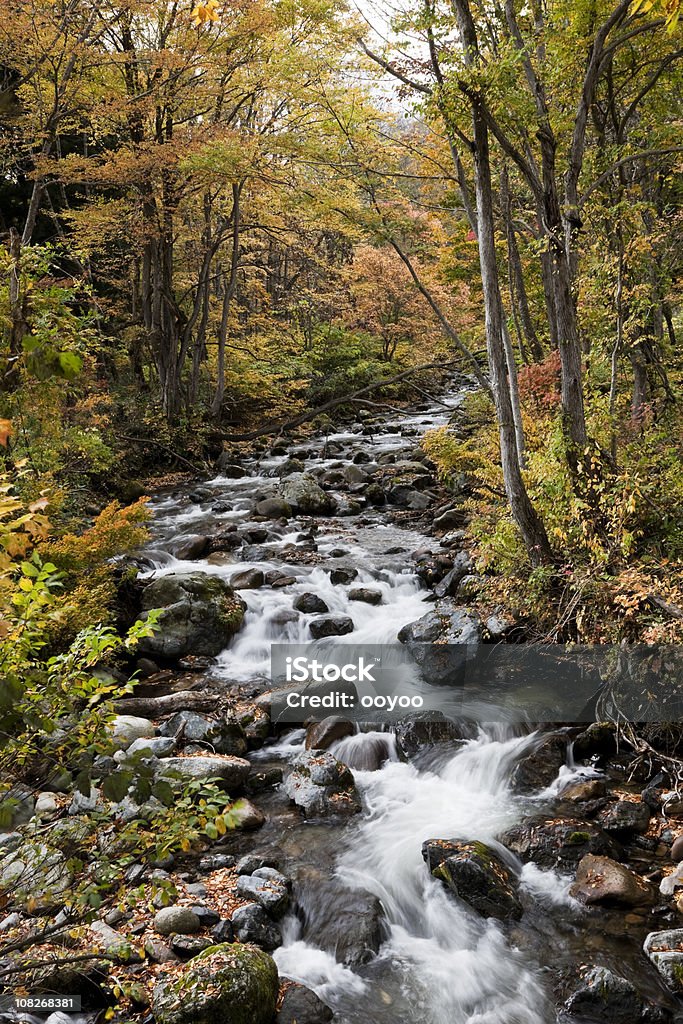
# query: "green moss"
{"points": [[576, 838]]}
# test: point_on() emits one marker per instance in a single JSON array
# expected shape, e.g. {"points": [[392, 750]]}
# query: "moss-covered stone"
{"points": [[201, 613], [226, 984]]}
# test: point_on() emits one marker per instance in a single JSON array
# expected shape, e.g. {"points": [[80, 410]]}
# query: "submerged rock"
{"points": [[302, 1006], [200, 614], [226, 984], [557, 842]]}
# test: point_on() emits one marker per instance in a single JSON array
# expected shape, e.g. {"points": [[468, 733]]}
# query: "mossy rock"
{"points": [[227, 984], [201, 613]]}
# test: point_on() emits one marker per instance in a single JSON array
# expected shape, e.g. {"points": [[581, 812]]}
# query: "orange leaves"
{"points": [[204, 12], [5, 432]]}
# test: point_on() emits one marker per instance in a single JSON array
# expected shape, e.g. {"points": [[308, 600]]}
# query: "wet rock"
{"points": [[180, 920], [320, 735], [207, 915], [248, 579], [428, 728], [302, 1006], [226, 466], [273, 508], [321, 786], [191, 547], [309, 603], [231, 983], [374, 494], [125, 729], [450, 519], [200, 614], [361, 457], [665, 950], [290, 466], [584, 791], [537, 769], [345, 922], [625, 816], [603, 880], [247, 816], [476, 874], [251, 862], [597, 741], [226, 540], [270, 892], [557, 842], [343, 574], [277, 580], [302, 492], [442, 663], [448, 586], [366, 594], [331, 625], [231, 772], [605, 996], [250, 923]]}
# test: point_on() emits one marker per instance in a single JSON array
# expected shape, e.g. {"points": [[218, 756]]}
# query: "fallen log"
{"points": [[151, 707]]}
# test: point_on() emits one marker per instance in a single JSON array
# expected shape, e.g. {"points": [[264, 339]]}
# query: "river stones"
{"points": [[247, 579], [624, 817], [331, 625], [200, 614], [125, 729], [343, 574], [302, 1006], [428, 728], [222, 735], [231, 983], [476, 874], [557, 842], [303, 493], [181, 920], [605, 996], [268, 888], [321, 735], [665, 950], [250, 923], [230, 772], [537, 769], [345, 922], [321, 786], [448, 586], [603, 880], [310, 603], [368, 595], [193, 545], [439, 640]]}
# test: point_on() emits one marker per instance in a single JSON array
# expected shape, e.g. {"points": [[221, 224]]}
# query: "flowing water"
{"points": [[439, 963]]}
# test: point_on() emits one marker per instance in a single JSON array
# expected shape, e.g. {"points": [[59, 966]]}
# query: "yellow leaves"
{"points": [[204, 12], [670, 10]]}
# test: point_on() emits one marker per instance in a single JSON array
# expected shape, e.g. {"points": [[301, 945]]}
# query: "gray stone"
{"points": [[113, 943], [343, 574], [180, 920], [308, 603], [230, 984], [247, 579], [302, 492], [557, 842], [429, 728], [250, 923], [605, 996], [302, 1006], [200, 614], [223, 735], [251, 862], [331, 625], [155, 746], [625, 816], [665, 950], [273, 508], [320, 785], [455, 628], [231, 772], [269, 893], [190, 547], [125, 729], [368, 595], [320, 735]]}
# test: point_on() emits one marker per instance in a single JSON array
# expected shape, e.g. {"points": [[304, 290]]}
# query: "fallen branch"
{"points": [[163, 447], [184, 700], [280, 426], [671, 609]]}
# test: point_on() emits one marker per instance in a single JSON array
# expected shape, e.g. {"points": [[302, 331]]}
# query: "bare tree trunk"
{"points": [[230, 287], [518, 293]]}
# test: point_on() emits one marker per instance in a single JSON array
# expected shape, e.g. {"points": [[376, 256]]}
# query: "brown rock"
{"points": [[603, 880]]}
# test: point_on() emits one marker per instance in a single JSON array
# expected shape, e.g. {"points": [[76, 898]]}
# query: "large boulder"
{"points": [[302, 492], [345, 922], [227, 984], [331, 625], [557, 842], [439, 641], [606, 997], [476, 874], [301, 1006], [321, 735], [603, 880], [251, 923], [624, 817], [321, 785], [427, 729], [537, 769], [200, 614]]}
